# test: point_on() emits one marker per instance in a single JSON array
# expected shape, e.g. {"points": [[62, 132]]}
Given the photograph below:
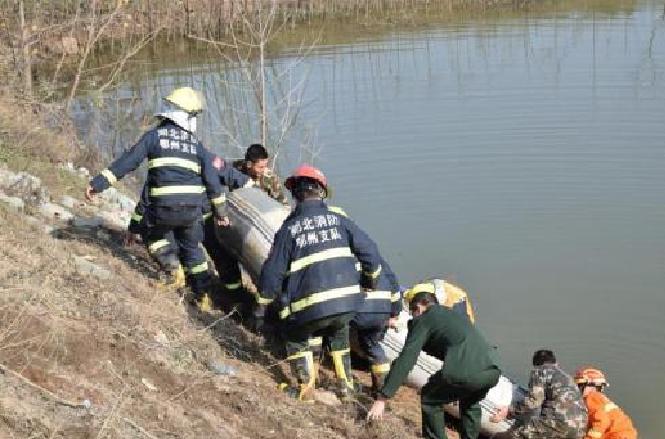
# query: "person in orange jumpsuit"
{"points": [[606, 419]]}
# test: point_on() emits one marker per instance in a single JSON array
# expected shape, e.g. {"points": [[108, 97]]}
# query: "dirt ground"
{"points": [[82, 357]]}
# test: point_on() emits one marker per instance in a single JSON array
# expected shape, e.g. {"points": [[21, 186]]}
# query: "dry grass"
{"points": [[138, 355]]}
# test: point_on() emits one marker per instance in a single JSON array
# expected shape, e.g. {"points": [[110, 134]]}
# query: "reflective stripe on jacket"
{"points": [[179, 168], [386, 299], [310, 269]]}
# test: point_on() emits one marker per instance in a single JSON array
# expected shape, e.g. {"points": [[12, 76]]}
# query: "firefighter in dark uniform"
{"points": [[469, 367], [180, 173], [311, 275], [378, 312]]}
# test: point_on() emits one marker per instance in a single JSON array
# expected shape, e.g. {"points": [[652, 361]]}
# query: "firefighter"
{"points": [[448, 295], [311, 277], [164, 251], [378, 312], [469, 367], [606, 419], [179, 174]]}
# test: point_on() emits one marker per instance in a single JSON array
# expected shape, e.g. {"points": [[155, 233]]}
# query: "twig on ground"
{"points": [[47, 392], [139, 428], [224, 317]]}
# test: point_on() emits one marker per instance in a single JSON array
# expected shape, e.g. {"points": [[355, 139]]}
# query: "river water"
{"points": [[522, 157]]}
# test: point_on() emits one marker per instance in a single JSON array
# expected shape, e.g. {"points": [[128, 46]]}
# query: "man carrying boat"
{"points": [[469, 367], [311, 277], [253, 171], [553, 409]]}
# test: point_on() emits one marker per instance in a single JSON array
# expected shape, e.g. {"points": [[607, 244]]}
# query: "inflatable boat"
{"points": [[255, 218]]}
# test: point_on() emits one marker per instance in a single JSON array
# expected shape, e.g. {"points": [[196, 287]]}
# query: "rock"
{"points": [[161, 338], [222, 369], [115, 220], [103, 235], [114, 198], [84, 172], [71, 202], [326, 398], [55, 212], [149, 385], [85, 267], [13, 203], [23, 185], [81, 222]]}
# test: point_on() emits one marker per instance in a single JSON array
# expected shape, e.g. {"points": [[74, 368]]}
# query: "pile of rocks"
{"points": [[25, 193]]}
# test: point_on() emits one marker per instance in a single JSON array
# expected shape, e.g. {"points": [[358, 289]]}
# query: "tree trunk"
{"points": [[25, 52]]}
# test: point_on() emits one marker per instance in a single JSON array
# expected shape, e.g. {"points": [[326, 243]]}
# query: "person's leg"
{"points": [[162, 247], [469, 405], [337, 334], [434, 394], [189, 239], [369, 339], [301, 359]]}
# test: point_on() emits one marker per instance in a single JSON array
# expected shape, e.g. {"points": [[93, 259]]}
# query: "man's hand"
{"points": [[224, 221], [500, 415], [89, 193], [376, 412]]}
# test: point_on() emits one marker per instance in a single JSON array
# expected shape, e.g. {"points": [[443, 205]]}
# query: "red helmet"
{"points": [[591, 376], [307, 171]]}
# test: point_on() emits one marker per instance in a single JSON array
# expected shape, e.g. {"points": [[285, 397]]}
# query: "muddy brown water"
{"points": [[522, 157]]}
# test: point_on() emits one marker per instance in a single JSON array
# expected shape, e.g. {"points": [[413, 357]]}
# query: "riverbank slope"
{"points": [[90, 347]]}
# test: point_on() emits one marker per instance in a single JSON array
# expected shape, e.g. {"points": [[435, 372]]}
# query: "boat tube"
{"points": [[255, 218]]}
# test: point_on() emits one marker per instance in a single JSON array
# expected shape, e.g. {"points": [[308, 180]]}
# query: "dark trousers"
{"points": [[225, 264], [163, 251], [334, 329], [370, 332], [188, 239], [439, 391]]}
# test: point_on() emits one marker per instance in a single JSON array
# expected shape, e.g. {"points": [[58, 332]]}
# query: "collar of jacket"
{"points": [[309, 204], [185, 121]]}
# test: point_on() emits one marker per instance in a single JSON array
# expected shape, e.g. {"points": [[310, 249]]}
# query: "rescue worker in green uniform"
{"points": [[253, 171], [256, 167], [469, 370]]}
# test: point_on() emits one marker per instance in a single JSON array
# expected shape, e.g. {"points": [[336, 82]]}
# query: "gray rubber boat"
{"points": [[255, 218]]}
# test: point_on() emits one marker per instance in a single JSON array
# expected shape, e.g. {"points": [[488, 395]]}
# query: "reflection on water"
{"points": [[522, 157]]}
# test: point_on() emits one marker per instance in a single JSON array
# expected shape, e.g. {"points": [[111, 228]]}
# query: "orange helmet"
{"points": [[307, 171], [591, 376]]}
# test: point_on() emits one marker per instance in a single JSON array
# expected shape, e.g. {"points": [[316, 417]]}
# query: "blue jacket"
{"points": [[311, 268], [179, 169], [383, 302], [228, 175]]}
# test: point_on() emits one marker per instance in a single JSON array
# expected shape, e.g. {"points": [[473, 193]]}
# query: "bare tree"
{"points": [[264, 97]]}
